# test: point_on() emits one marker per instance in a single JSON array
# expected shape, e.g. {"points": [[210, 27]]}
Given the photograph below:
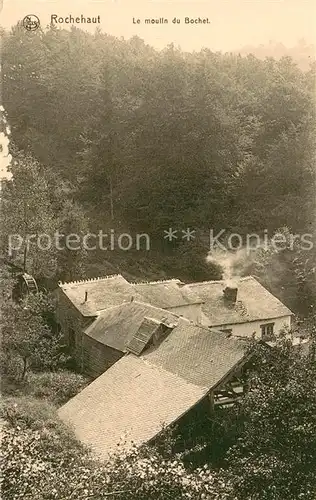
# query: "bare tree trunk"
{"points": [[24, 258], [24, 369]]}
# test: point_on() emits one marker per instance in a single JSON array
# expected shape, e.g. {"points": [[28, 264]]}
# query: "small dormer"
{"points": [[150, 332], [165, 327]]}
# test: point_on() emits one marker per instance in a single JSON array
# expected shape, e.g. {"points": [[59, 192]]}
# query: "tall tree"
{"points": [[27, 218]]}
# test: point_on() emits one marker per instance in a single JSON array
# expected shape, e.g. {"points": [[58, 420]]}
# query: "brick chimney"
{"points": [[230, 295]]}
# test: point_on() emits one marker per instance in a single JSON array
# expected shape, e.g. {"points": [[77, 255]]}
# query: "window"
{"points": [[267, 331]]}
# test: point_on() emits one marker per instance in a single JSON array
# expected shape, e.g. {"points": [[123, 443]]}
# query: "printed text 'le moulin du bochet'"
{"points": [[175, 20]]}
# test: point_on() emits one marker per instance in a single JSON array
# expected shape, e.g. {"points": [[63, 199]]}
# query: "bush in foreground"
{"points": [[41, 459], [275, 455], [54, 387]]}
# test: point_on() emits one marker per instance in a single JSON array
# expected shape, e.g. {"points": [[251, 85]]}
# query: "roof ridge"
{"points": [[244, 278], [175, 280], [89, 280], [153, 307], [205, 282], [127, 303]]}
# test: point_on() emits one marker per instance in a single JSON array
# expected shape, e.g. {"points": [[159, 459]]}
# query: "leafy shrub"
{"points": [[56, 387], [275, 455], [145, 474], [41, 459], [28, 413], [27, 333], [12, 366]]}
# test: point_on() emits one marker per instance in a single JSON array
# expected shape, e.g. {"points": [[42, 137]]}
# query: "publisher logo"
{"points": [[31, 22]]}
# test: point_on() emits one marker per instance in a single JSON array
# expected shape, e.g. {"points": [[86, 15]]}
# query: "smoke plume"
{"points": [[236, 264], [233, 264]]}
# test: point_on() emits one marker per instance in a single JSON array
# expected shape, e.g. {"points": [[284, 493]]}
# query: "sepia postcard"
{"points": [[158, 249]]}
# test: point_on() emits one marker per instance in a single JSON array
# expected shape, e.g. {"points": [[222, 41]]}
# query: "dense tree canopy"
{"points": [[146, 140]]}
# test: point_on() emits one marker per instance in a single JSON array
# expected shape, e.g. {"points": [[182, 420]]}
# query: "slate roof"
{"points": [[103, 293], [254, 302], [139, 395], [132, 400], [166, 294], [197, 354], [115, 327], [110, 291]]}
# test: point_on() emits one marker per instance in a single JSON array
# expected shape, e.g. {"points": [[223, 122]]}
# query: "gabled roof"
{"points": [[131, 401], [254, 302], [115, 327], [166, 294], [102, 293], [139, 395]]}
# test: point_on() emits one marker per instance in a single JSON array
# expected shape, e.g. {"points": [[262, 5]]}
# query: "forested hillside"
{"points": [[123, 137], [303, 53]]}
